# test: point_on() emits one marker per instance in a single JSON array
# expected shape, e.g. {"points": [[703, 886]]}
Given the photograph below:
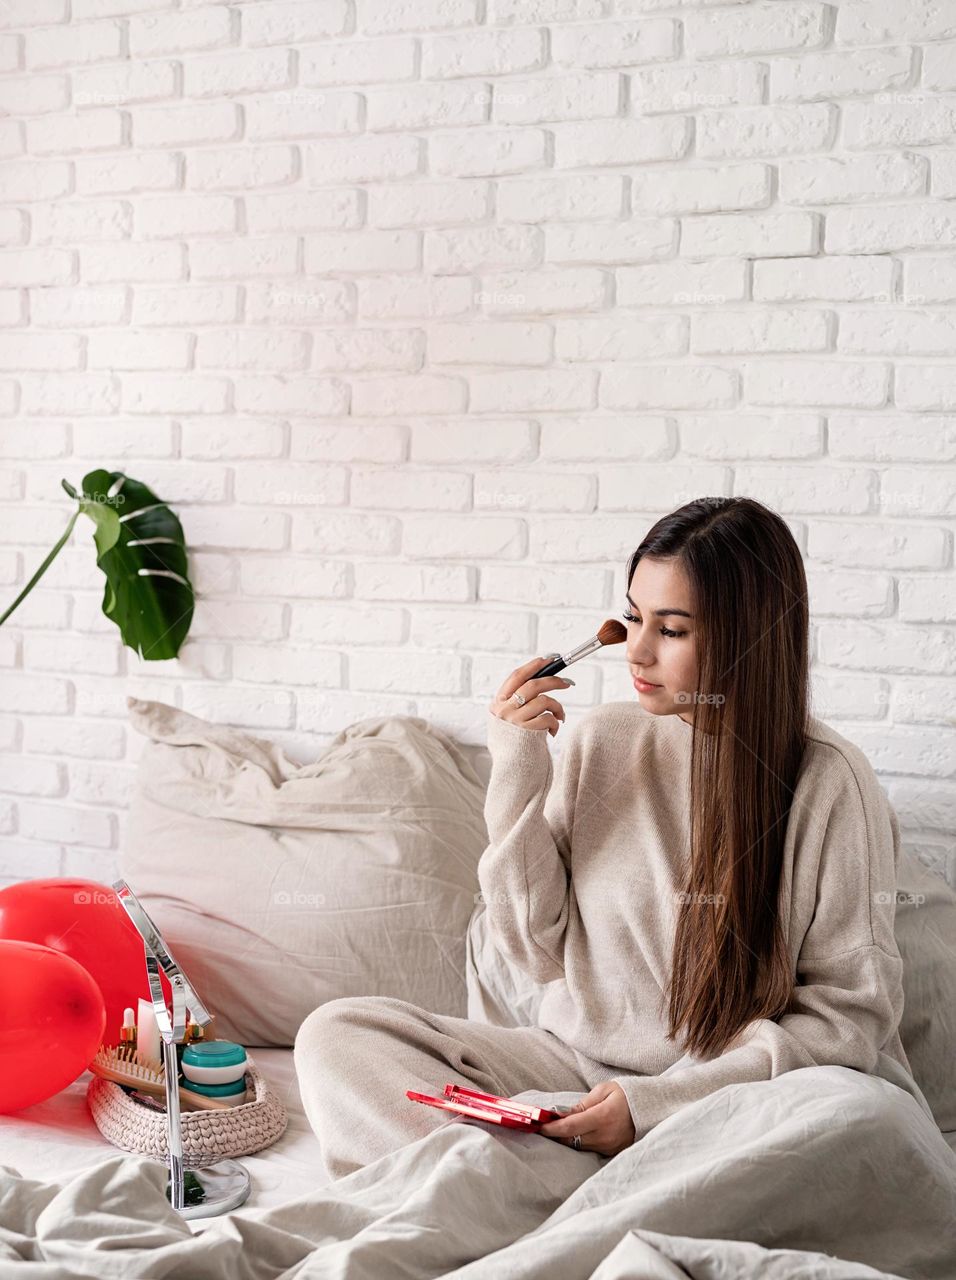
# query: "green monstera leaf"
{"points": [[141, 550]]}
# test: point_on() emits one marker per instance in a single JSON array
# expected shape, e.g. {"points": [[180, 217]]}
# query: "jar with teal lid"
{"points": [[214, 1062], [217, 1090]]}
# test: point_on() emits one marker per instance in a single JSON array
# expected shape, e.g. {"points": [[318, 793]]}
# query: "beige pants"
{"points": [[356, 1056]]}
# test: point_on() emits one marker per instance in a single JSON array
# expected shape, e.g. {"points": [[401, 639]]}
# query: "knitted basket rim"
{"points": [[207, 1135]]}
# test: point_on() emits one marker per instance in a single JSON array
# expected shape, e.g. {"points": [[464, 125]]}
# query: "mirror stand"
{"points": [[224, 1185]]}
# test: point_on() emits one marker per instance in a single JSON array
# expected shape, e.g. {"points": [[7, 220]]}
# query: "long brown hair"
{"points": [[751, 711]]}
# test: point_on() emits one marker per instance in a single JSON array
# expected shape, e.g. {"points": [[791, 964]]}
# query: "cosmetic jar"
{"points": [[224, 1091], [213, 1062]]}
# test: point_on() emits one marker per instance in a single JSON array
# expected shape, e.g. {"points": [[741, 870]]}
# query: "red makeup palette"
{"points": [[486, 1106]]}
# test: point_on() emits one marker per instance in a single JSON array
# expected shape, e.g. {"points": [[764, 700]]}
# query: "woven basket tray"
{"points": [[207, 1135]]}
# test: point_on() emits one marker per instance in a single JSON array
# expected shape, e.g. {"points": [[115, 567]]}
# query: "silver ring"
{"points": [[520, 701], [576, 1142]]}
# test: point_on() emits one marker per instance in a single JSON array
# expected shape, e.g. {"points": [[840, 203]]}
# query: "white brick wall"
{"points": [[421, 311]]}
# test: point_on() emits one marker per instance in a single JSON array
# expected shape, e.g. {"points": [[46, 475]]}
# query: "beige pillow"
{"points": [[281, 886]]}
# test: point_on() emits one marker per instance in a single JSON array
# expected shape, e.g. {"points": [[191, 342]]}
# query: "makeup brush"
{"points": [[610, 632]]}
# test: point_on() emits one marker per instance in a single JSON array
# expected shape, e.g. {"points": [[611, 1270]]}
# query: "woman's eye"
{"points": [[665, 631]]}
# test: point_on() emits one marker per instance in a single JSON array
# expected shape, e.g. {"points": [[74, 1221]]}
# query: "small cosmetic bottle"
{"points": [[193, 1031], [192, 1035], [127, 1035]]}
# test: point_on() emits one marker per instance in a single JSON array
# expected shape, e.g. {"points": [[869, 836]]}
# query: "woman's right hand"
{"points": [[539, 711]]}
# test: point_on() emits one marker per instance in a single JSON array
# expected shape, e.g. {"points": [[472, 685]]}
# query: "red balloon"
{"points": [[52, 1017], [85, 921]]}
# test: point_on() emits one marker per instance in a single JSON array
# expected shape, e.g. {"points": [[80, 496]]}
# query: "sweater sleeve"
{"points": [[524, 873], [848, 993]]}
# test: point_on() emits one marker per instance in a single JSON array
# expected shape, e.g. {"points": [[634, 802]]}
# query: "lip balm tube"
{"points": [[148, 1039]]}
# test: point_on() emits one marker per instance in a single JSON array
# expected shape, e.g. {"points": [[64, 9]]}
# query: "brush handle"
{"points": [[188, 1100], [551, 668], [559, 661]]}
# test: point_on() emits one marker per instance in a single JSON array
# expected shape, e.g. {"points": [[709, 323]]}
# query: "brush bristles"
{"points": [[123, 1059], [612, 632]]}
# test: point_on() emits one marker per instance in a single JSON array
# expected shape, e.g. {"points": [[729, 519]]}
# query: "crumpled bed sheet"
{"points": [[809, 1175]]}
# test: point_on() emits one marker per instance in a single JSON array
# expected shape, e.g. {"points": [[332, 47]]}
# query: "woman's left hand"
{"points": [[602, 1119]]}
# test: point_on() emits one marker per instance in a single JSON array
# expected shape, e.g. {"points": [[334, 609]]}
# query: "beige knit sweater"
{"points": [[581, 881]]}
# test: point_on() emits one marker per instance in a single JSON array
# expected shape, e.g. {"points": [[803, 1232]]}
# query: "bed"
{"points": [[59, 1135], [822, 1172], [470, 1202]]}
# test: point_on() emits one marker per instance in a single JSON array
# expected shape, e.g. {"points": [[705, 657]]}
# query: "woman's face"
{"points": [[661, 646]]}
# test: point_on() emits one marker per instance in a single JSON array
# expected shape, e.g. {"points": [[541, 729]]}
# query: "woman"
{"points": [[705, 896]]}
